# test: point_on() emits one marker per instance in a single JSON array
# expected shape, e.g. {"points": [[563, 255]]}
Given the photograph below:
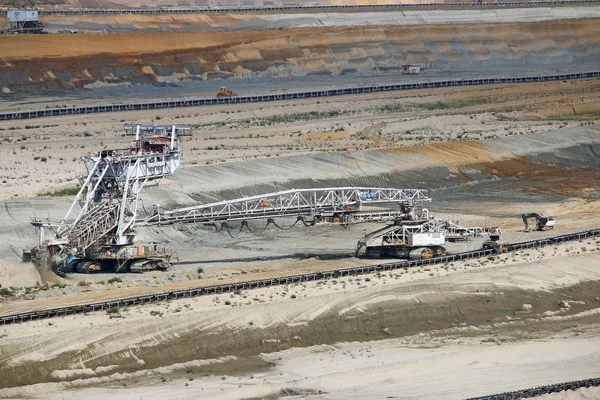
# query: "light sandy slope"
{"points": [[581, 394], [296, 251], [229, 22], [76, 345], [393, 368]]}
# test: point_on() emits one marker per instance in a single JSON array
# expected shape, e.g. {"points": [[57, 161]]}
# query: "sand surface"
{"points": [[42, 155], [384, 369], [516, 344], [486, 155]]}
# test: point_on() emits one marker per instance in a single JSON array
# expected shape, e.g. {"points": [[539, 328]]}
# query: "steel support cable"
{"points": [[226, 226], [245, 224], [300, 218], [214, 225], [306, 224], [269, 222], [144, 207]]}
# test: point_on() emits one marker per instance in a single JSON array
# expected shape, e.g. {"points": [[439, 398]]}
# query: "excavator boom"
{"points": [[541, 222]]}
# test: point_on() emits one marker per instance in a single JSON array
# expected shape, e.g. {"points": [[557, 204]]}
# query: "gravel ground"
{"points": [[141, 93], [234, 22]]}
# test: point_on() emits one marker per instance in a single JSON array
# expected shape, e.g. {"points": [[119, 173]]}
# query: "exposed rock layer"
{"points": [[31, 63]]}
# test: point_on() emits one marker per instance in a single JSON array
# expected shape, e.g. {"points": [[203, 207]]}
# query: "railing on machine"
{"points": [[94, 226], [105, 207], [289, 203], [398, 233]]}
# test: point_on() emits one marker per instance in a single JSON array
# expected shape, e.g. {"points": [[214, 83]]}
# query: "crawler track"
{"points": [[335, 273], [290, 96], [538, 391]]}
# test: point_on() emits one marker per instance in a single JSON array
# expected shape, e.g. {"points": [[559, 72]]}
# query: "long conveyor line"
{"points": [[541, 390], [334, 273], [290, 96]]}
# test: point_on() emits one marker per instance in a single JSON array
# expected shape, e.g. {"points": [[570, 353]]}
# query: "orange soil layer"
{"points": [[66, 4], [248, 45], [49, 63]]}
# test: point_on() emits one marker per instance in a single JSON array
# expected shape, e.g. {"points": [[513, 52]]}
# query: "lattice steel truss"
{"points": [[424, 223], [111, 181], [311, 203]]}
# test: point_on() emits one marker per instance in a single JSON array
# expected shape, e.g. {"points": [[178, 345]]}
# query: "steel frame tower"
{"points": [[111, 182], [99, 227]]}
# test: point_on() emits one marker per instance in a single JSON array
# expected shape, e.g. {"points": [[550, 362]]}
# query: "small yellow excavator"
{"points": [[224, 92]]}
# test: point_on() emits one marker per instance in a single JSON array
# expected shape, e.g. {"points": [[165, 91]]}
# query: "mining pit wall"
{"points": [[63, 63], [546, 167]]}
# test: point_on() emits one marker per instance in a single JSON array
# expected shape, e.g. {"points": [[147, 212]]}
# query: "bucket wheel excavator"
{"points": [[422, 237], [99, 229]]}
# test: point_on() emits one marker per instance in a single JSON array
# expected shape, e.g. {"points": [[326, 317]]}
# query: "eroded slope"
{"points": [[65, 62]]}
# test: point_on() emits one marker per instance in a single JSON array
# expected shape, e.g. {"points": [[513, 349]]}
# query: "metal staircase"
{"points": [[111, 181], [94, 226]]}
